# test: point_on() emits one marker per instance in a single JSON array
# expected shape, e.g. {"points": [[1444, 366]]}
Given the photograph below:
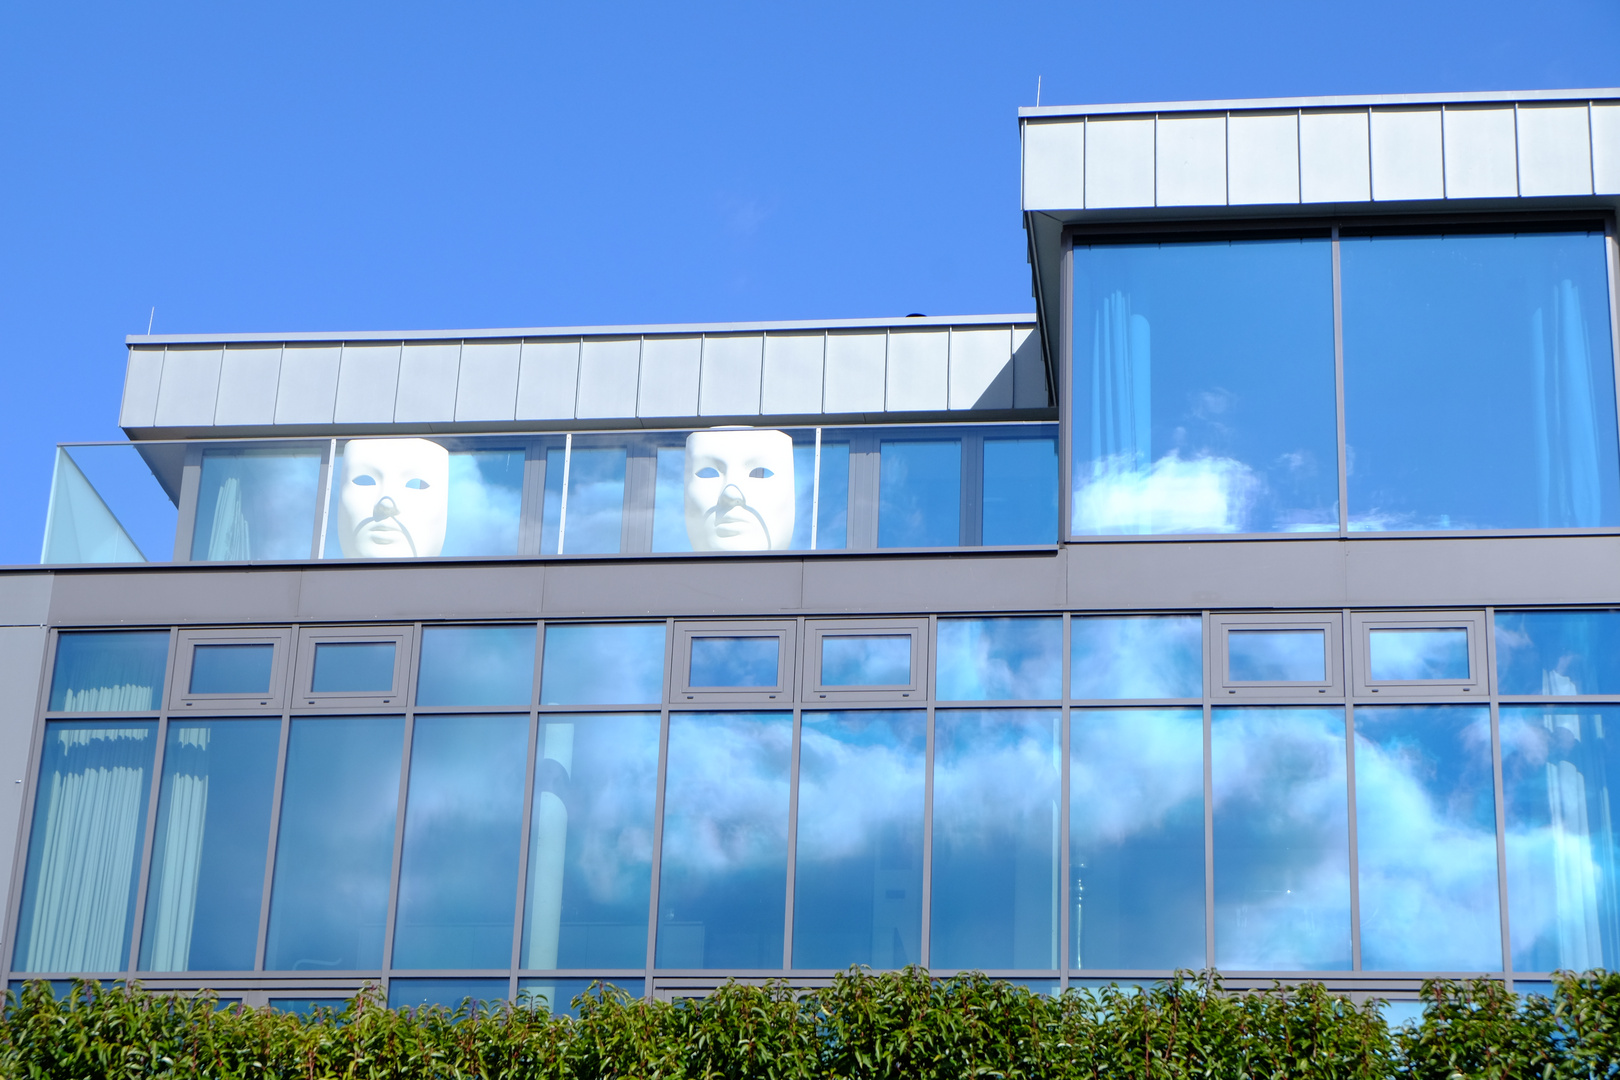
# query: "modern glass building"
{"points": [[1254, 605]]}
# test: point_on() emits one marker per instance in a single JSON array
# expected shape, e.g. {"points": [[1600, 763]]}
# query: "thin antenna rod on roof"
{"points": [[152, 316], [1037, 91]]}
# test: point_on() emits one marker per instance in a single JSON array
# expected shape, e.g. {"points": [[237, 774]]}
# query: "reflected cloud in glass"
{"points": [[614, 664], [1000, 659], [1276, 655], [1020, 491], [1412, 655], [1558, 652], [920, 493], [476, 665], [734, 661], [231, 669], [1136, 656], [256, 504], [865, 660]]}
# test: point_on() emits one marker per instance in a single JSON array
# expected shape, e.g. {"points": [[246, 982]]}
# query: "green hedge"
{"points": [[900, 1024]]}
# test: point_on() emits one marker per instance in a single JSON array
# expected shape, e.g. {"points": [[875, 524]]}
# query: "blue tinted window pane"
{"points": [[1136, 838], [1426, 839], [476, 665], [1282, 839], [1561, 781], [603, 665], [458, 869], [1148, 656], [1276, 655], [113, 672], [335, 844], [920, 494], [996, 839], [308, 1006], [231, 669], [590, 842], [1410, 655], [722, 890], [208, 851], [452, 994], [858, 879], [353, 667], [1558, 652], [734, 661], [1000, 659], [1204, 389], [557, 995], [256, 504], [595, 511], [871, 660], [832, 518], [486, 502], [85, 847], [1020, 491], [1442, 330]]}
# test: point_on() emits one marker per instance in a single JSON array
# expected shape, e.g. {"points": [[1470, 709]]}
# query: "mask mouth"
{"points": [[737, 520], [385, 531]]}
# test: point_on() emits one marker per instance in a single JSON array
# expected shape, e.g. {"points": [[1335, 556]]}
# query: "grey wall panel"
{"points": [[687, 586], [22, 654], [960, 582], [981, 369], [1191, 161], [1555, 150], [790, 383], [1119, 162], [142, 377], [247, 385], [1523, 570], [159, 597], [1030, 389], [918, 376], [1333, 157], [25, 599], [427, 383], [1606, 148], [854, 377], [190, 387], [336, 594], [487, 387], [1262, 158], [1407, 155], [548, 377], [307, 392], [1190, 576], [669, 376], [608, 370], [368, 383], [1054, 164], [1481, 160], [732, 368]]}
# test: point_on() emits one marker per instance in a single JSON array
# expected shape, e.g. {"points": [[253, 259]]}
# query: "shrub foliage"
{"points": [[894, 1025]]}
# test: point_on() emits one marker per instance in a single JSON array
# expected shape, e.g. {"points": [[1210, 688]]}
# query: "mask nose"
{"points": [[731, 495], [385, 508]]}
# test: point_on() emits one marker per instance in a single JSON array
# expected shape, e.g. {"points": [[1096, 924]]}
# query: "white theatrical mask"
{"points": [[739, 490], [394, 498]]}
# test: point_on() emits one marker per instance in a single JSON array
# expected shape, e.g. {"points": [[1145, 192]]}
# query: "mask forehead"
{"points": [[740, 450]]}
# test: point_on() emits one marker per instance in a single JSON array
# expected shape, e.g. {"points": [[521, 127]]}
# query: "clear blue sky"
{"points": [[342, 166]]}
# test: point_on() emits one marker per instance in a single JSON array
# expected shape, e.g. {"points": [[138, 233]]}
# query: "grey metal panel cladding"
{"points": [[1555, 150], [918, 369], [427, 383], [189, 388], [791, 380], [1334, 161], [1606, 148], [1119, 162], [1030, 387], [981, 369], [1054, 164], [1407, 155], [1190, 161], [854, 379], [1481, 158], [732, 373], [607, 378], [1262, 158], [488, 384], [669, 376], [368, 381], [307, 392], [142, 378], [22, 655], [247, 385], [548, 376], [25, 599]]}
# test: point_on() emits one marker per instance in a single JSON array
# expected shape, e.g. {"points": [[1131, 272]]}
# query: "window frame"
{"points": [[1223, 688], [1363, 623], [403, 639], [818, 630], [681, 690], [183, 700]]}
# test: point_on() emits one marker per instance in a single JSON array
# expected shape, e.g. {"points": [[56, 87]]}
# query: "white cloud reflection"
{"points": [[726, 798], [1204, 494], [860, 775], [611, 795]]}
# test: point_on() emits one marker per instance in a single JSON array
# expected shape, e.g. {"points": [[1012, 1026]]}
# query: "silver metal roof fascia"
{"points": [[1356, 101]]}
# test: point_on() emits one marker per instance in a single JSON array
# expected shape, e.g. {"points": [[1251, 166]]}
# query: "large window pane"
{"points": [[109, 672], [1140, 656], [1558, 652], [832, 519], [208, 853], [1020, 491], [1561, 779], [591, 842], [556, 996], [458, 869], [920, 493], [1203, 388], [476, 665], [1282, 839], [858, 876], [1445, 333], [999, 659], [1426, 839], [595, 510], [84, 850], [335, 845], [603, 665], [1136, 838], [722, 893], [256, 504], [996, 839]]}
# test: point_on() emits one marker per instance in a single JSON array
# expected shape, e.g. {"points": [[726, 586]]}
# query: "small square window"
{"points": [[1270, 655], [881, 659], [734, 661], [231, 669], [1419, 653], [353, 666]]}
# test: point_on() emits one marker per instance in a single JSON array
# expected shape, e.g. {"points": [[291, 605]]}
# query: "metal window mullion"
{"points": [[518, 909], [1612, 251], [399, 845], [1209, 794], [970, 530], [30, 784], [275, 829], [658, 805], [1063, 382], [792, 839], [1499, 792], [186, 518], [925, 929], [1065, 904], [531, 513], [323, 492], [144, 866], [1347, 653], [1338, 386]]}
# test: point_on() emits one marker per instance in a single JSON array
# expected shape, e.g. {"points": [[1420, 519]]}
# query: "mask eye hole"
{"points": [[708, 472], [416, 484], [762, 473], [365, 481]]}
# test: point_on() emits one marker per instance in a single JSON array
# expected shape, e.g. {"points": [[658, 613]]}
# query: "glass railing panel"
{"points": [[113, 503]]}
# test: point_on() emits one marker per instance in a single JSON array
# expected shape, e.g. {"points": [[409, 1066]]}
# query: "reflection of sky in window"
{"points": [[1137, 656], [1563, 857], [476, 665], [1426, 839], [1282, 839], [723, 879], [1136, 838], [231, 669], [858, 882], [256, 504], [463, 829], [832, 524], [595, 500], [1401, 655], [734, 661], [486, 502], [353, 667], [603, 665], [1558, 652], [1000, 659], [1276, 655], [556, 996], [450, 993], [867, 660], [1020, 491], [996, 839], [920, 493]]}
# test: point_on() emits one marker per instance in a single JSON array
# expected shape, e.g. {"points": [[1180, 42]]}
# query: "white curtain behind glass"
{"points": [[228, 536], [1582, 837], [1121, 389], [109, 680], [1565, 413], [548, 847], [179, 853]]}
